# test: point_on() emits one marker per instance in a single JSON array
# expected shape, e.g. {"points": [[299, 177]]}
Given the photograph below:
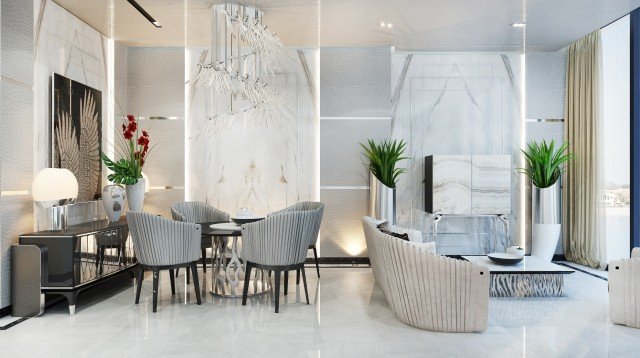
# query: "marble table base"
{"points": [[228, 271], [526, 285]]}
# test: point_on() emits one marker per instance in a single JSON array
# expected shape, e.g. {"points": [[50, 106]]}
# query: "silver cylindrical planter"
{"points": [[545, 204], [382, 203], [545, 220]]}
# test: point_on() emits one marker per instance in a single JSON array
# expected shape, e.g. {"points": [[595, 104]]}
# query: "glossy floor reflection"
{"points": [[348, 317]]}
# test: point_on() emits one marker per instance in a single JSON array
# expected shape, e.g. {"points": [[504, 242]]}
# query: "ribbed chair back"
{"points": [[624, 290], [162, 242], [278, 240], [426, 290], [197, 212], [312, 230]]}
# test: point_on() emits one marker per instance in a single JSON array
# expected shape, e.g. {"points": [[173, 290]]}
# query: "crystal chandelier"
{"points": [[243, 53]]}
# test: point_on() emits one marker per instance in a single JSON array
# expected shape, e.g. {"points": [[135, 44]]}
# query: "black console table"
{"points": [[82, 256]]}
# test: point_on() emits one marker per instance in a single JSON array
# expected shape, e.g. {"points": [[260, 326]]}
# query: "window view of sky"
{"points": [[615, 69]]}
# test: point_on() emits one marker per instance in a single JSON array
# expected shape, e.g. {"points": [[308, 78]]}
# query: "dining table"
{"points": [[228, 269]]}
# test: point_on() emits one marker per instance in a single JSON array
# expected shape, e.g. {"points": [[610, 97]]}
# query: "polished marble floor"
{"points": [[348, 317]]}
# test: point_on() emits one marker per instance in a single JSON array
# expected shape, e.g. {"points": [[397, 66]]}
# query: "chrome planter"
{"points": [[545, 221], [382, 200]]}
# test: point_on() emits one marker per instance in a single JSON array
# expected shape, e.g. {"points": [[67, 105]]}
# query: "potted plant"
{"points": [[383, 159], [545, 164], [133, 149]]}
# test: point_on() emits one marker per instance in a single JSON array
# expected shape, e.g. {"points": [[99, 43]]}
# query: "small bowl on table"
{"points": [[245, 220], [503, 258]]}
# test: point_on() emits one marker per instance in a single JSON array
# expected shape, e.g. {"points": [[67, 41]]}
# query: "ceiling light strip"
{"points": [[144, 13]]}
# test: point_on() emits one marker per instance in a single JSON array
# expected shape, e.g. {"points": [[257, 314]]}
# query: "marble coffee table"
{"points": [[532, 277]]}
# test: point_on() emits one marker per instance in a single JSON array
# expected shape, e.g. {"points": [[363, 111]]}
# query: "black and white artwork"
{"points": [[77, 133]]}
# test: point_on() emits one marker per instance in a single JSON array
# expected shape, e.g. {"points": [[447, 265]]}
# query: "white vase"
{"points": [[545, 210], [382, 201], [113, 197], [135, 195]]}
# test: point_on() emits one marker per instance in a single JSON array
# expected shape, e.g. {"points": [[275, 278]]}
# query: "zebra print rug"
{"points": [[526, 285]]}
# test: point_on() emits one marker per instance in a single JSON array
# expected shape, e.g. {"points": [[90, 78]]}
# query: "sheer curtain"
{"points": [[583, 208]]}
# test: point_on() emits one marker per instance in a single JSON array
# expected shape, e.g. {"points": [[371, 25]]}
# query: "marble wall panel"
{"points": [[265, 168], [455, 104], [67, 46]]}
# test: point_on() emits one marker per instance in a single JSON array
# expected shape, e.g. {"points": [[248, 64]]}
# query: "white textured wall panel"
{"points": [[546, 80], [341, 233], [341, 159], [156, 81], [165, 163], [16, 131], [17, 40], [354, 82]]}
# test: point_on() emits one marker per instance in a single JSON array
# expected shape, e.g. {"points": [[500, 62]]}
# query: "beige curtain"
{"points": [[583, 211]]}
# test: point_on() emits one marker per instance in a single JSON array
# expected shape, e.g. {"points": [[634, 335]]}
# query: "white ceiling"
{"points": [[421, 25]]}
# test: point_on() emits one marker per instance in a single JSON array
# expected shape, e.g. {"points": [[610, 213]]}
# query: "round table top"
{"points": [[221, 229]]}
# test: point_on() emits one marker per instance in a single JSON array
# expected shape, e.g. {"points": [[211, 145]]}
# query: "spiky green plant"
{"points": [[545, 163], [383, 158]]}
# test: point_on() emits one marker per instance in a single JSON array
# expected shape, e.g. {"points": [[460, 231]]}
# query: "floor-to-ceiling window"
{"points": [[616, 115]]}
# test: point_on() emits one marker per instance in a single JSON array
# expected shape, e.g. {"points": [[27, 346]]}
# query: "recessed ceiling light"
{"points": [[518, 24], [383, 24], [389, 25]]}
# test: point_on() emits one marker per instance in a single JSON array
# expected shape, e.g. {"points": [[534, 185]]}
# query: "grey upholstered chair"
{"points": [[163, 244], [624, 290], [426, 290], [277, 243], [197, 212], [318, 207]]}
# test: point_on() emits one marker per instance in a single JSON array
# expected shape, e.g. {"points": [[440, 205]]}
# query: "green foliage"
{"points": [[383, 158], [124, 171], [545, 163]]}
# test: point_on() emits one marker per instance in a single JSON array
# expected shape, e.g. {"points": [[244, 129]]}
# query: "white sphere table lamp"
{"points": [[54, 189]]}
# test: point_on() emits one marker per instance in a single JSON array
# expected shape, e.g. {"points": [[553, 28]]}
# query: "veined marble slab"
{"points": [[491, 184], [452, 184]]}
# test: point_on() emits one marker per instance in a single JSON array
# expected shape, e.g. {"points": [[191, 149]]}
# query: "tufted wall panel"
{"points": [[16, 131]]}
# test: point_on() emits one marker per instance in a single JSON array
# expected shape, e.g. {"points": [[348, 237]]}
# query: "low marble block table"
{"points": [[532, 277]]}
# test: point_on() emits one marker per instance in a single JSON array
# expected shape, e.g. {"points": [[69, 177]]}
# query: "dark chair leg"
{"points": [[245, 289], [286, 281], [304, 282], [188, 276], [156, 273], [297, 276], [102, 249], [196, 282], [204, 260], [315, 255], [177, 270], [276, 292], [173, 282], [139, 284]]}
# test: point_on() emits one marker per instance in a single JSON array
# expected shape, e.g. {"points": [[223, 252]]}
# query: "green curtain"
{"points": [[583, 211]]}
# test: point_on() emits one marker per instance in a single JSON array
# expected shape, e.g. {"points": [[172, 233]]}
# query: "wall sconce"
{"points": [[53, 190]]}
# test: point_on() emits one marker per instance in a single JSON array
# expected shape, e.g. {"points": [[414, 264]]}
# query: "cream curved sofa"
{"points": [[624, 290], [426, 290]]}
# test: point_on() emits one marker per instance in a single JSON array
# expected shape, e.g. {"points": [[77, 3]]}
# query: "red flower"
{"points": [[143, 141], [131, 118], [144, 133], [124, 128], [132, 126], [127, 135]]}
